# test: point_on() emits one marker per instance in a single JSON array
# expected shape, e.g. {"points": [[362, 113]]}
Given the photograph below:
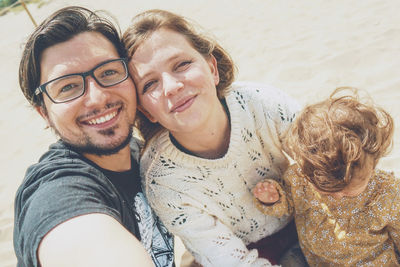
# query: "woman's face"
{"points": [[176, 85]]}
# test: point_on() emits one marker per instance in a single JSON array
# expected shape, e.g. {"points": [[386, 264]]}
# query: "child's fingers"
{"points": [[259, 188], [258, 191], [260, 185], [273, 196], [271, 192], [266, 192], [269, 186]]}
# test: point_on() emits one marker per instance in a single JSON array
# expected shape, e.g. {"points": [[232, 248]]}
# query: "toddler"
{"points": [[347, 212]]}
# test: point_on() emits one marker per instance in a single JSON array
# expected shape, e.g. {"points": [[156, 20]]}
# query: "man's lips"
{"points": [[104, 119], [183, 104]]}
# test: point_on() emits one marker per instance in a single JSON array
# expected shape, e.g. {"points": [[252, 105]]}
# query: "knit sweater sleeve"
{"points": [[210, 241]]}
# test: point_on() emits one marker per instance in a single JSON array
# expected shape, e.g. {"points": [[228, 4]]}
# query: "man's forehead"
{"points": [[79, 54]]}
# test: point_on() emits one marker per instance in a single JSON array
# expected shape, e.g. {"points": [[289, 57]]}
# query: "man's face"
{"points": [[99, 122]]}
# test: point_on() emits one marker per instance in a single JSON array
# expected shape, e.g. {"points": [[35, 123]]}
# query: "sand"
{"points": [[307, 48]]}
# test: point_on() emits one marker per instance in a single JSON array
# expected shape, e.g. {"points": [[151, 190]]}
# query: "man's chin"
{"points": [[98, 150]]}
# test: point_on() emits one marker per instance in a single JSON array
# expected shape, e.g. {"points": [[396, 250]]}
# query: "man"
{"points": [[81, 204]]}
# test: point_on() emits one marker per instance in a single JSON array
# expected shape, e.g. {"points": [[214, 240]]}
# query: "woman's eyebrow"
{"points": [[149, 71]]}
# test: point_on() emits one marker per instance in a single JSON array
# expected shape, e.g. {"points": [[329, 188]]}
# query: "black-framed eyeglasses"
{"points": [[72, 86]]}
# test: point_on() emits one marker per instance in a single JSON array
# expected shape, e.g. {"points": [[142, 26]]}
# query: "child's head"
{"points": [[332, 138]]}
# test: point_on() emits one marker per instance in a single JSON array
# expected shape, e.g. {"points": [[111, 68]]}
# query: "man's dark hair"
{"points": [[61, 26]]}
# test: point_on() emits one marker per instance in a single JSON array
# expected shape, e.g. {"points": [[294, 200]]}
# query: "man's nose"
{"points": [[95, 93]]}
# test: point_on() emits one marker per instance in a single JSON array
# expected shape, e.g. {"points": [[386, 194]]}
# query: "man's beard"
{"points": [[86, 146]]}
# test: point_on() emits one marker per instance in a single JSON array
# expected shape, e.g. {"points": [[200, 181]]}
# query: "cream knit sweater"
{"points": [[208, 203]]}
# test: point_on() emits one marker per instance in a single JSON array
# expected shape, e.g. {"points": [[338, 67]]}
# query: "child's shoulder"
{"points": [[294, 175], [386, 178], [384, 192], [384, 186]]}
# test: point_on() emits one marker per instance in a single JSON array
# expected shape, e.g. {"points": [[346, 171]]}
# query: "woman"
{"points": [[208, 141]]}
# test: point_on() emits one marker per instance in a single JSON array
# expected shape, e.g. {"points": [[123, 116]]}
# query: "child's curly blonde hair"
{"points": [[331, 137]]}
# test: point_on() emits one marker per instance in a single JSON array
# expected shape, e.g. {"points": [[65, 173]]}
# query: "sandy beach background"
{"points": [[306, 48]]}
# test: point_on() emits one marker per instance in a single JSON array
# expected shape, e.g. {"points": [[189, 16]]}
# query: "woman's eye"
{"points": [[183, 65], [147, 86]]}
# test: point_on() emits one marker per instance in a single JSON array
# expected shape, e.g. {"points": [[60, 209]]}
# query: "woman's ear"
{"points": [[212, 62], [146, 114]]}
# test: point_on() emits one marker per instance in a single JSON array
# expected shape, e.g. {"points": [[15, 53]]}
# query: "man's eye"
{"points": [[108, 73], [64, 90], [67, 88]]}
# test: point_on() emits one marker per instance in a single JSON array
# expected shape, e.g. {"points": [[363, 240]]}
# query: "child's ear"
{"points": [[146, 114], [212, 62], [43, 113]]}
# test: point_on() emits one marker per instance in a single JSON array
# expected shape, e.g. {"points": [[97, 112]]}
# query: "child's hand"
{"points": [[266, 192]]}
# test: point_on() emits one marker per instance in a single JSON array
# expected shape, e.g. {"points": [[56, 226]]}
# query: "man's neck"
{"points": [[119, 162]]}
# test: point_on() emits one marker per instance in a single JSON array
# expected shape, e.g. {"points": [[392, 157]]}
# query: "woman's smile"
{"points": [[183, 104]]}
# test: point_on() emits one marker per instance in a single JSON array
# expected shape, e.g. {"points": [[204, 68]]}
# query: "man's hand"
{"points": [[266, 192]]}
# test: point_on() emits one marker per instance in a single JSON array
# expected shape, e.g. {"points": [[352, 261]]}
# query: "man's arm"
{"points": [[92, 240]]}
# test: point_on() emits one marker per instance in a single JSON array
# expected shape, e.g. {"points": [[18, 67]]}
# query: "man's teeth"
{"points": [[103, 119]]}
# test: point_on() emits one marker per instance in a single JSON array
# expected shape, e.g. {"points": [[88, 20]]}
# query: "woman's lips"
{"points": [[183, 104]]}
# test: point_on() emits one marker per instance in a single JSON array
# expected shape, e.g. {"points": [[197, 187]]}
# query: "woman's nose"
{"points": [[171, 84]]}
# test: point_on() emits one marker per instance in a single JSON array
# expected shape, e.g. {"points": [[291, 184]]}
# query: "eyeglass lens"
{"points": [[72, 86]]}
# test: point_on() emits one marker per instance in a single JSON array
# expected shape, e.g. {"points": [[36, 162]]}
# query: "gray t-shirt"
{"points": [[63, 185]]}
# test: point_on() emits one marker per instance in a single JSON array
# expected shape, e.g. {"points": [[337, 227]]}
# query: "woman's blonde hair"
{"points": [[331, 137], [145, 24]]}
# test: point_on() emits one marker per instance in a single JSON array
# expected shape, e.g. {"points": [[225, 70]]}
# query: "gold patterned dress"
{"points": [[352, 231]]}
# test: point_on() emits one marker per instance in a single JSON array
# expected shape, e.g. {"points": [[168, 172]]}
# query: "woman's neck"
{"points": [[212, 140]]}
